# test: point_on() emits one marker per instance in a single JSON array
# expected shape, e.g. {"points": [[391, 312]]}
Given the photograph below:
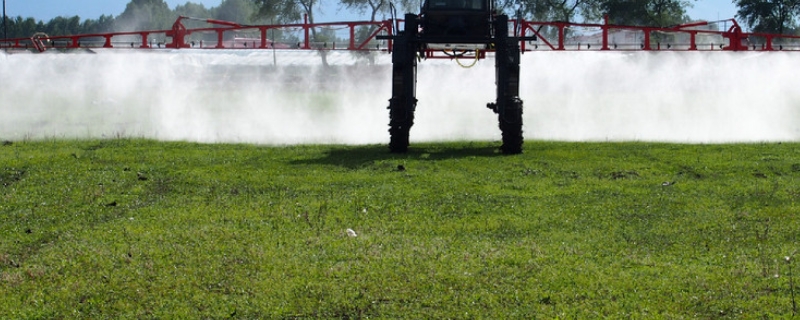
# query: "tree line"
{"points": [[772, 16], [138, 15]]}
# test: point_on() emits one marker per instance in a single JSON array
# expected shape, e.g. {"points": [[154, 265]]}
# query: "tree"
{"points": [[191, 9], [769, 16], [657, 13], [23, 27], [284, 11], [64, 26], [104, 24], [374, 7], [551, 10], [145, 15], [5, 21], [241, 11]]}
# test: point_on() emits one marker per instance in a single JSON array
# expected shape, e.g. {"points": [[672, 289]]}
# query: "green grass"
{"points": [[144, 229]]}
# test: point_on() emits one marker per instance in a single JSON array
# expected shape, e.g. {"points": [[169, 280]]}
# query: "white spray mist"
{"points": [[286, 97]]}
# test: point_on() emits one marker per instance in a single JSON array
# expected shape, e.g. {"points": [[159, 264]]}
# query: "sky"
{"points": [[45, 10]]}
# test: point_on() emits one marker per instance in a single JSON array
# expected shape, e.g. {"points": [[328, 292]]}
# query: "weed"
{"points": [[9, 176]]}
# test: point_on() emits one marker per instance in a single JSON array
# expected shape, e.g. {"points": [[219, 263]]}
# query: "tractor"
{"points": [[455, 29]]}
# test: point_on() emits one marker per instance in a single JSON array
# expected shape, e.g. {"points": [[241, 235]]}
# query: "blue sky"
{"points": [[86, 9]]}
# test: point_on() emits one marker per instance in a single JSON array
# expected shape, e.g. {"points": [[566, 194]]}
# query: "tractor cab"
{"points": [[457, 23]]}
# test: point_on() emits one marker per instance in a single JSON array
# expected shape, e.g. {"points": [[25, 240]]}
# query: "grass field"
{"points": [[143, 229]]}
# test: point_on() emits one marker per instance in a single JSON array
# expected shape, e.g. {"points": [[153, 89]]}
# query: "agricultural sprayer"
{"points": [[443, 29]]}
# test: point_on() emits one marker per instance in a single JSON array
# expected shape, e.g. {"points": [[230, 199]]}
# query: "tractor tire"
{"points": [[511, 127], [401, 119], [398, 140]]}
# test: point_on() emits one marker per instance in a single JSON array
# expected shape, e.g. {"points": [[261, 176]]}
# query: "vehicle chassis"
{"points": [[410, 44]]}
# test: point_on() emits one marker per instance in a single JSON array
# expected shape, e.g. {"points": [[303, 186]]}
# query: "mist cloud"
{"points": [[286, 97]]}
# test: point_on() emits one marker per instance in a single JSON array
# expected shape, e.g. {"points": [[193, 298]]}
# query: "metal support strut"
{"points": [[508, 105], [404, 81]]}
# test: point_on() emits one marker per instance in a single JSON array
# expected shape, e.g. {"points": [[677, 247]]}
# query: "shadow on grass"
{"points": [[353, 157]]}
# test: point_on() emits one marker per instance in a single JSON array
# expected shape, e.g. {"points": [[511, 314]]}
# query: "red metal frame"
{"points": [[179, 33], [734, 38], [560, 40]]}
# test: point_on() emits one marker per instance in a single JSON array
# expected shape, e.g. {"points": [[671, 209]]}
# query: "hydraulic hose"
{"points": [[474, 62]]}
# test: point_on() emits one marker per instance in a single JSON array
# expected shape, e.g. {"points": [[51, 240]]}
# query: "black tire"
{"points": [[511, 127], [403, 101], [398, 141], [400, 123]]}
